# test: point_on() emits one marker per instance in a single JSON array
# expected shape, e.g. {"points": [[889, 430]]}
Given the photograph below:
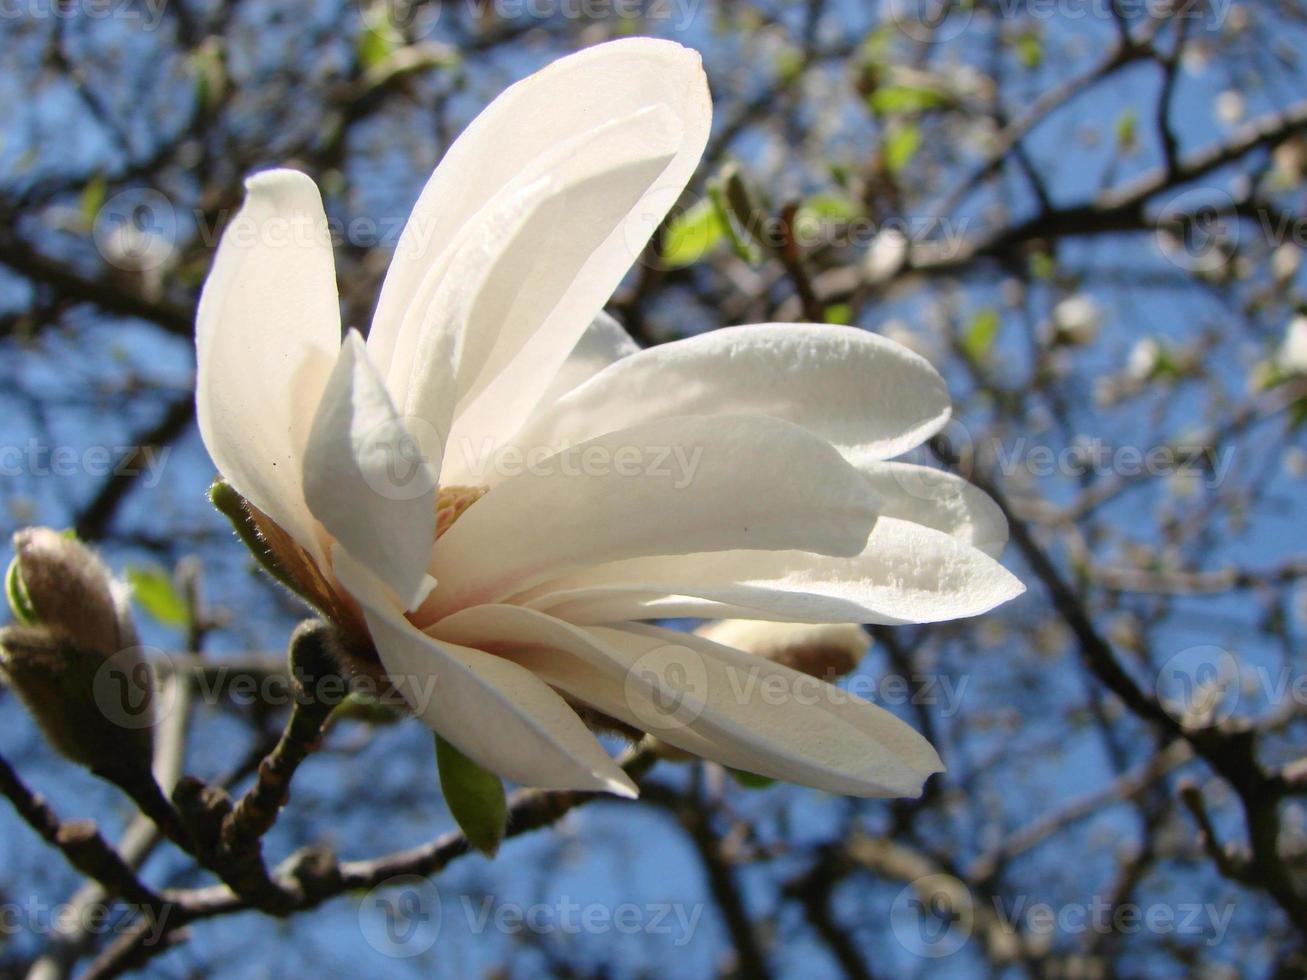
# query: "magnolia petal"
{"points": [[868, 396], [604, 342], [563, 101], [549, 282], [940, 500], [736, 709], [899, 740], [365, 477], [669, 487], [908, 573], [266, 335], [492, 710], [505, 304], [424, 376]]}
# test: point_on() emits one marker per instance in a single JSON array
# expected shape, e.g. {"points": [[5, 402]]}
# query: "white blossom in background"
{"points": [[493, 491], [826, 650], [1285, 262], [1292, 355], [1230, 106], [1143, 359], [1077, 319]]}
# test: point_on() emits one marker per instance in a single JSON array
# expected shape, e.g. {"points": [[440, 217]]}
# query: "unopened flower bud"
{"points": [[65, 687], [58, 583], [824, 650]]}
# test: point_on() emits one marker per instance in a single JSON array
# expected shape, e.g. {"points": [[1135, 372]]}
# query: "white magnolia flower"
{"points": [[497, 486]]}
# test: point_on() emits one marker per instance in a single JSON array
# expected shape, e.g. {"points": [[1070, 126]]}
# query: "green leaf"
{"points": [[474, 796], [836, 207], [905, 99], [1127, 136], [737, 213], [1042, 265], [373, 48], [20, 603], [693, 234], [751, 780], [840, 313], [980, 334], [153, 589], [901, 147], [93, 199], [1030, 49]]}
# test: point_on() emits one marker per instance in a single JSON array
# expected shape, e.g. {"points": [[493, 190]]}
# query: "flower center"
{"points": [[451, 502]]}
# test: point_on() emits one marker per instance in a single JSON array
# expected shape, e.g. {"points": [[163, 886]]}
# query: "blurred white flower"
{"points": [[1077, 319], [576, 484], [1285, 261], [1230, 106], [1143, 359], [887, 255], [1292, 355]]}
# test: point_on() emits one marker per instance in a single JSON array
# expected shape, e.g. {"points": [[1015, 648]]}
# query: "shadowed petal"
{"points": [[494, 711], [266, 335], [724, 704]]}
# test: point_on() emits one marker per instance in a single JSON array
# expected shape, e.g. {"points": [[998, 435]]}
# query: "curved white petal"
{"points": [[939, 500], [668, 487], [508, 140], [571, 198], [366, 479], [604, 342], [868, 396], [736, 709], [266, 335], [907, 573], [550, 281], [494, 711]]}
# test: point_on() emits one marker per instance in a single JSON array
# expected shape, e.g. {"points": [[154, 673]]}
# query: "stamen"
{"points": [[451, 502]]}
